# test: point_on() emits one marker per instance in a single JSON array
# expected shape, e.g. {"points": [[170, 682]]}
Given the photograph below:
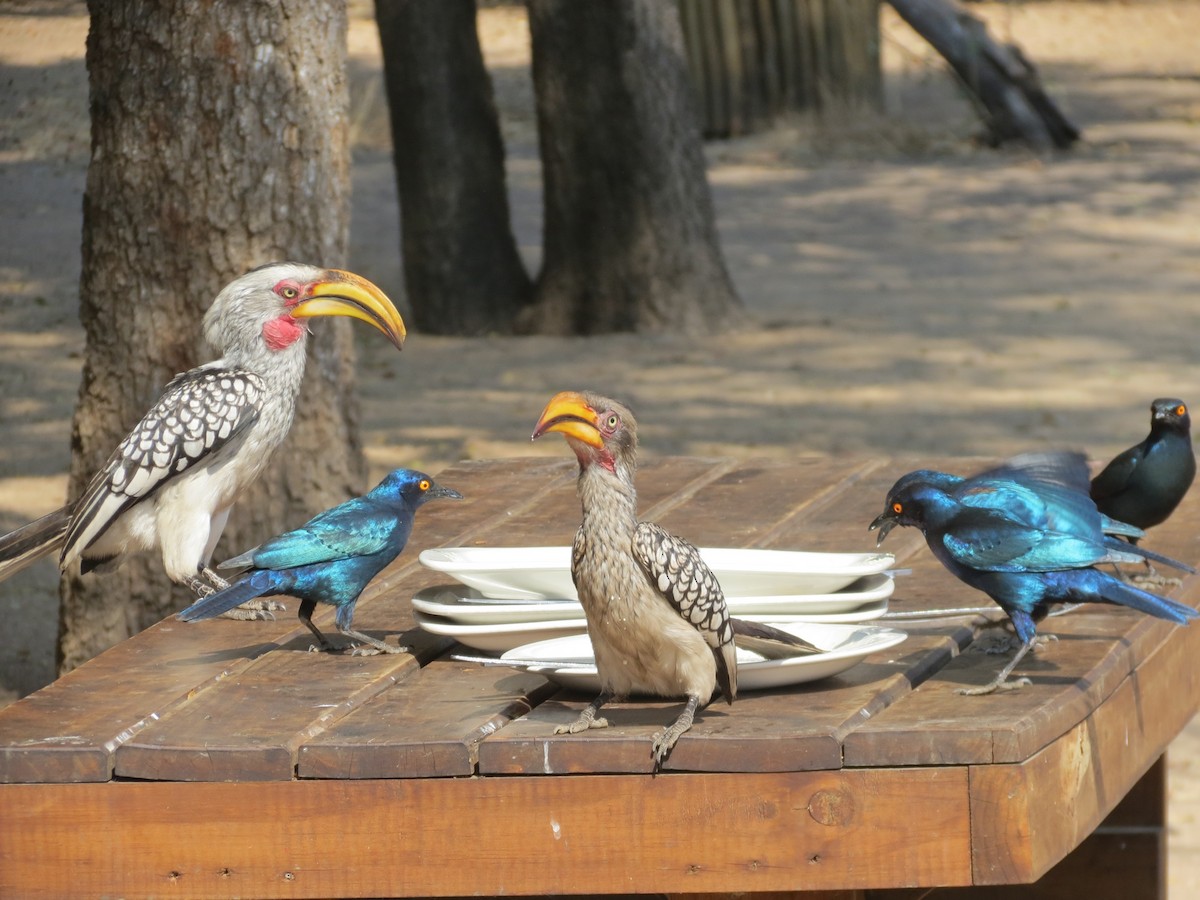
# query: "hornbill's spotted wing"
{"points": [[689, 585], [199, 412]]}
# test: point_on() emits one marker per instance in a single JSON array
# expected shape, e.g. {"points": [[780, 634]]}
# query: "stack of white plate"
{"points": [[506, 599]]}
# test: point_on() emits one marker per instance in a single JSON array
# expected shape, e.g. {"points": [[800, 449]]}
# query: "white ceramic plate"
{"points": [[536, 573], [498, 637], [845, 646], [470, 607]]}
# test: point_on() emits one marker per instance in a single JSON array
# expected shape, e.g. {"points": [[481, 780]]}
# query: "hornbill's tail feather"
{"points": [[255, 585], [28, 544], [768, 641]]}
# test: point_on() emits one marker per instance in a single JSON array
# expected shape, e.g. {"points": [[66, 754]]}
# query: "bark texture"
{"points": [[630, 241], [1002, 81], [462, 271], [753, 61], [219, 142]]}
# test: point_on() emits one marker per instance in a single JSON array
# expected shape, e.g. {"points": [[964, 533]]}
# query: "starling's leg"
{"points": [[999, 683], [665, 739], [374, 647], [304, 614], [587, 719]]}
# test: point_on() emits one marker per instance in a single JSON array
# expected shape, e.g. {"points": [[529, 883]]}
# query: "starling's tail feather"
{"points": [[25, 546], [255, 585], [1102, 586], [1156, 557]]}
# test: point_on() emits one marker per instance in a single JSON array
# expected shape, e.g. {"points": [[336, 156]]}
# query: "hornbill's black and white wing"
{"points": [[199, 413], [682, 576]]}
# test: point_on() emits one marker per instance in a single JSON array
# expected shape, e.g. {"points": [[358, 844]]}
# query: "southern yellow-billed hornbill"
{"points": [[656, 615], [172, 481]]}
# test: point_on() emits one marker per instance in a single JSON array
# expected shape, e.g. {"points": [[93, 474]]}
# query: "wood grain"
{"points": [[447, 837]]}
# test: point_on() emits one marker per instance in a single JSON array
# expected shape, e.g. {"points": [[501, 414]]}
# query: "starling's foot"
{"points": [[998, 685], [1042, 641], [365, 645]]}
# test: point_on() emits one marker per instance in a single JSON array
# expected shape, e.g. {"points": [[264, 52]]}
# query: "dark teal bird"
{"points": [[331, 558], [1143, 485], [1028, 535]]}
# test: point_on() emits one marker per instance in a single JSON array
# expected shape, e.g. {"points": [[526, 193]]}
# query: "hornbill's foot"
{"points": [[254, 610], [587, 719], [213, 578], [665, 740], [251, 610], [583, 723]]}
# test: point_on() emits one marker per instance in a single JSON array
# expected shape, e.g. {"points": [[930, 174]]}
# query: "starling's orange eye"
{"points": [[1180, 409], [424, 485], [897, 507]]}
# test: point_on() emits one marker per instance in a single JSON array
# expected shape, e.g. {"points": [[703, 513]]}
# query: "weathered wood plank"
{"points": [[1063, 792], [67, 731], [448, 836], [251, 725], [427, 725]]}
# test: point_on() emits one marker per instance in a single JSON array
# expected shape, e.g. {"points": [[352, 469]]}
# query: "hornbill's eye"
{"points": [[613, 421], [289, 293]]}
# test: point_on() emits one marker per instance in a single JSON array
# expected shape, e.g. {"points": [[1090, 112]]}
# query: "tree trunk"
{"points": [[1003, 82], [462, 271], [219, 142], [630, 241], [753, 61]]}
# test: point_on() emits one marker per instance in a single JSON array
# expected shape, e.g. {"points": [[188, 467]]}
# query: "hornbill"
{"points": [[656, 614], [172, 481]]}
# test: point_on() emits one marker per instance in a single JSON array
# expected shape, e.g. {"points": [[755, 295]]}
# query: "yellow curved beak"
{"points": [[346, 294], [569, 413]]}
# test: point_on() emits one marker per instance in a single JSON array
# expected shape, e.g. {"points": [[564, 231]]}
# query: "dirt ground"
{"points": [[906, 291]]}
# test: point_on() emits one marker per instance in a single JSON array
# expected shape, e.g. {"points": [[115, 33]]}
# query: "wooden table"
{"points": [[222, 759]]}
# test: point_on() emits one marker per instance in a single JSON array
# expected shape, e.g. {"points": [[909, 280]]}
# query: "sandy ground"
{"points": [[907, 292]]}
